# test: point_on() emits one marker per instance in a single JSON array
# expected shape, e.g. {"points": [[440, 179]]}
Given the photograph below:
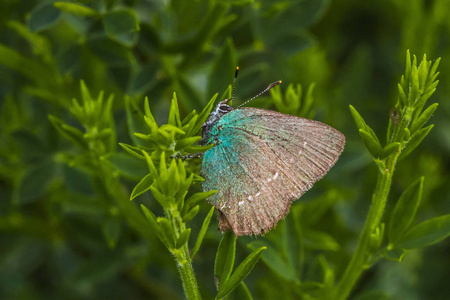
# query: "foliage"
{"points": [[72, 154]]}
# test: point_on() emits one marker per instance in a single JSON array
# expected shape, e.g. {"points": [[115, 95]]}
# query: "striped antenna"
{"points": [[265, 90], [234, 83]]}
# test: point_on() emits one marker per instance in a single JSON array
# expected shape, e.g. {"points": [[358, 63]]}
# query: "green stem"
{"points": [[182, 257], [186, 271], [360, 258]]}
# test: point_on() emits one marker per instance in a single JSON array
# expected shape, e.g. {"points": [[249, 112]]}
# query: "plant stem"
{"points": [[187, 273], [182, 257], [359, 260]]}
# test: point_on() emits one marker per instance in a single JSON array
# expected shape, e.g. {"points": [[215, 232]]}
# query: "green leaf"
{"points": [[415, 140], [160, 197], [328, 272], [371, 144], [26, 66], [135, 120], [242, 292], [184, 143], [405, 210], [203, 116], [391, 149], [272, 258], [359, 121], [191, 214], [150, 164], [76, 9], [293, 242], [143, 186], [225, 258], [197, 197], [423, 118], [167, 232], [395, 254], [43, 17], [120, 25], [174, 112], [319, 240], [73, 134], [153, 222], [183, 239], [135, 151], [402, 95], [241, 272], [202, 232], [426, 233]]}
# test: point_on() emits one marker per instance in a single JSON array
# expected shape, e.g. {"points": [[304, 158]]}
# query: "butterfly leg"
{"points": [[195, 155]]}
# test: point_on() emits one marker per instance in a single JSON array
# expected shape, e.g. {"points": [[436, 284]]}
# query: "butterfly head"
{"points": [[223, 108]]}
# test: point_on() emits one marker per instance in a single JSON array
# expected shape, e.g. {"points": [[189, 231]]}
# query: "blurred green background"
{"points": [[62, 236]]}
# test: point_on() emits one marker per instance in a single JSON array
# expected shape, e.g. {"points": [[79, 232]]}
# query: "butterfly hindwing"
{"points": [[262, 161]]}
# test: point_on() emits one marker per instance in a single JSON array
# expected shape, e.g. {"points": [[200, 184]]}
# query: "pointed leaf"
{"points": [[135, 120], [76, 9], [360, 123], [184, 143], [423, 118], [242, 292], [150, 164], [197, 197], [203, 116], [135, 151], [426, 233], [415, 140], [390, 149], [143, 186], [272, 258], [293, 242], [152, 220], [319, 240], [202, 232], [402, 95], [43, 16], [73, 134], [167, 232], [405, 210], [191, 214], [241, 272], [174, 112], [183, 239], [225, 258], [371, 144]]}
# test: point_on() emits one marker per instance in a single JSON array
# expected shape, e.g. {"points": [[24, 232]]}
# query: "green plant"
{"points": [[67, 226]]}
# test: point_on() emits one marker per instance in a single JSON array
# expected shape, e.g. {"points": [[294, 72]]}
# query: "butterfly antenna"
{"points": [[262, 92], [234, 83]]}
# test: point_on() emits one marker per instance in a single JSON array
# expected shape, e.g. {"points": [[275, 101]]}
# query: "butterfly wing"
{"points": [[263, 161]]}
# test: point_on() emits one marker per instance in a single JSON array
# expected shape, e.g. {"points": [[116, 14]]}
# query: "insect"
{"points": [[261, 161]]}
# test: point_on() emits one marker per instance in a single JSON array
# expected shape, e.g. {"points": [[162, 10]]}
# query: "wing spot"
{"points": [[275, 176]]}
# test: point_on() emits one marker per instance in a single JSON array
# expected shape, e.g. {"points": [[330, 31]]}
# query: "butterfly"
{"points": [[262, 161]]}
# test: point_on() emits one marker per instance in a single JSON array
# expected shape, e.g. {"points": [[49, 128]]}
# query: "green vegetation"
{"points": [[99, 98]]}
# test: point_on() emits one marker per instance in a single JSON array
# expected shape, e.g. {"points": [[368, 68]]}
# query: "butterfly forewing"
{"points": [[262, 161]]}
